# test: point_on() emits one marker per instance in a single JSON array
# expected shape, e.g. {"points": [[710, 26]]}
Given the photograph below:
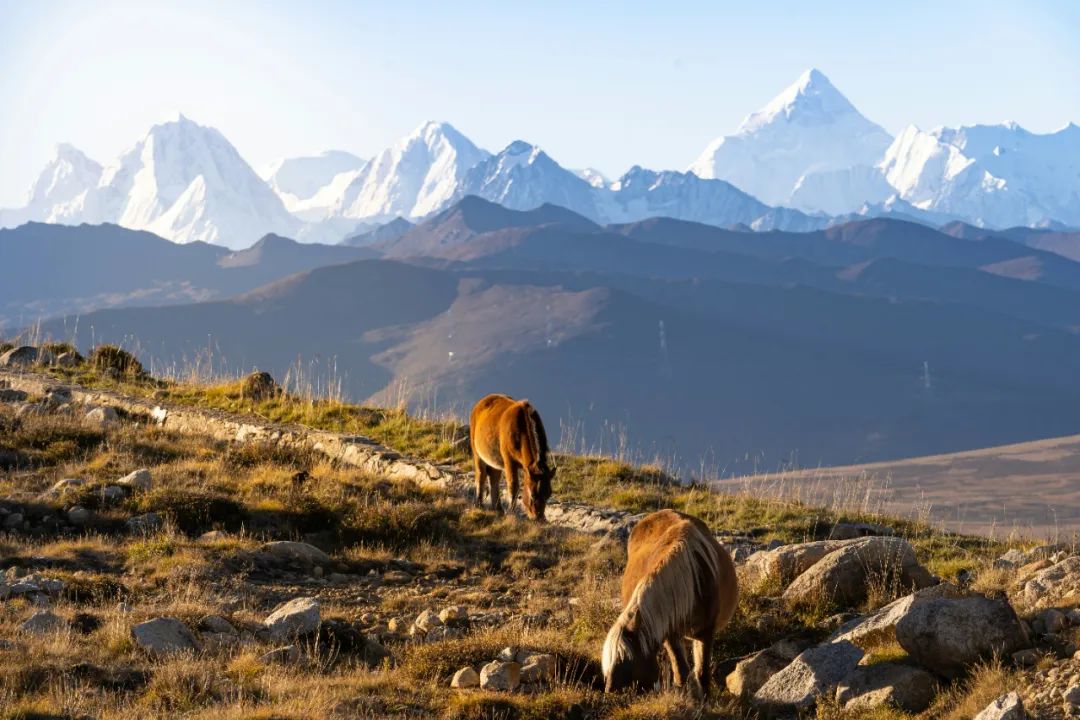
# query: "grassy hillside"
{"points": [[394, 551]]}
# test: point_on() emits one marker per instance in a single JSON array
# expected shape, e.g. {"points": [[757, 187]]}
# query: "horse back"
{"points": [[486, 423]]}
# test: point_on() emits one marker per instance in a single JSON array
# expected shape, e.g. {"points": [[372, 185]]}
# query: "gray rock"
{"points": [[949, 635], [63, 488], [465, 678], [296, 552], [753, 672], [427, 621], [67, 359], [900, 686], [42, 622], [813, 673], [101, 417], [1072, 696], [1006, 707], [23, 356], [1054, 585], [783, 564], [843, 576], [113, 494], [217, 624], [499, 675], [164, 635], [137, 480], [145, 523], [1054, 620], [287, 655], [78, 515], [538, 669], [454, 616], [880, 627], [12, 396], [296, 618]]}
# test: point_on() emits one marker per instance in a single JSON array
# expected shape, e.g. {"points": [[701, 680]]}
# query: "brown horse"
{"points": [[679, 583], [507, 435]]}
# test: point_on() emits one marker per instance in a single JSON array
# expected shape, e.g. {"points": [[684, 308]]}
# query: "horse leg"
{"points": [[480, 470], [680, 667], [510, 469], [703, 647], [493, 482]]}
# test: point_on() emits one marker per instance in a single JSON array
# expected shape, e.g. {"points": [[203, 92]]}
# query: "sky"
{"points": [[596, 84]]}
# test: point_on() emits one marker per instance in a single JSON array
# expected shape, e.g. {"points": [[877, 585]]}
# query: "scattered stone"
{"points": [[63, 488], [901, 686], [296, 618], [212, 536], [23, 356], [499, 675], [78, 515], [465, 678], [538, 669], [427, 621], [1056, 585], [113, 494], [220, 641], [813, 673], [1006, 707], [164, 635], [398, 626], [751, 673], [296, 552], [783, 564], [42, 623], [137, 480], [397, 577], [454, 616], [1072, 695], [843, 575], [67, 359], [12, 396], [217, 624], [146, 523], [101, 417], [1054, 620], [949, 635]]}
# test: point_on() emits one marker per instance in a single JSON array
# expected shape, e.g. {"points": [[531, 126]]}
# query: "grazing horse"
{"points": [[507, 435], [679, 583]]}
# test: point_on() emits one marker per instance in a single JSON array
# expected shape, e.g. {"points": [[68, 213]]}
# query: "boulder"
{"points": [[23, 356], [67, 359], [1054, 586], [145, 523], [499, 675], [427, 621], [101, 417], [164, 635], [785, 563], [12, 396], [751, 673], [842, 577], [217, 624], [538, 669], [1006, 707], [137, 480], [880, 626], [454, 616], [296, 618], [296, 551], [814, 672], [42, 622], [465, 678], [904, 687], [78, 515], [113, 493], [949, 635], [63, 488]]}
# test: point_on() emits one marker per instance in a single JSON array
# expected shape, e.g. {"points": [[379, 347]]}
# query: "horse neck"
{"points": [[663, 601]]}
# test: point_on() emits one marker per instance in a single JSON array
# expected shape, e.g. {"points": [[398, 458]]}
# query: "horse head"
{"points": [[538, 488], [626, 664]]}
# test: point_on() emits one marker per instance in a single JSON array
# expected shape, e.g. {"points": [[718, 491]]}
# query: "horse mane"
{"points": [[537, 436], [661, 599]]}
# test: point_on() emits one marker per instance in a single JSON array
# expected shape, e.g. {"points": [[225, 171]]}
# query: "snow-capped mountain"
{"points": [[991, 175], [298, 179], [61, 190], [593, 176], [419, 175], [808, 128], [642, 193], [523, 177]]}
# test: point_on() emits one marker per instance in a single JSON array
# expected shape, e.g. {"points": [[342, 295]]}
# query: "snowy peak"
{"points": [[66, 179], [808, 128], [417, 176], [300, 178]]}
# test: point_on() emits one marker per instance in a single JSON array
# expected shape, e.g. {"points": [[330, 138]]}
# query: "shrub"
{"points": [[259, 386], [113, 360], [59, 348]]}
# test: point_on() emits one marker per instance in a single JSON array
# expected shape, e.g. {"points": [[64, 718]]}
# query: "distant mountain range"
{"points": [[878, 338], [807, 160]]}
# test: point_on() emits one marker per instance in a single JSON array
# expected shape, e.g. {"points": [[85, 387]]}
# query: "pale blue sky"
{"points": [[600, 84]]}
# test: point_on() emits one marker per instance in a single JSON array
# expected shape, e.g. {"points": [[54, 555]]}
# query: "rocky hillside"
{"points": [[233, 551]]}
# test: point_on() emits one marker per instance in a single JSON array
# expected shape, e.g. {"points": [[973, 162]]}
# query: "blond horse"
{"points": [[679, 583], [507, 435]]}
